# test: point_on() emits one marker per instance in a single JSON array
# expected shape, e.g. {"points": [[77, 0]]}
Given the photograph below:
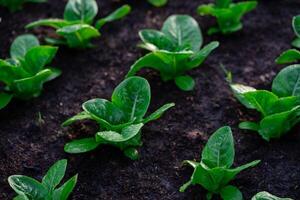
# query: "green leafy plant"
{"points": [[76, 29], [158, 3], [28, 188], [289, 56], [279, 108], [174, 50], [267, 196], [24, 74], [296, 28], [14, 5], [120, 119], [227, 14], [214, 171]]}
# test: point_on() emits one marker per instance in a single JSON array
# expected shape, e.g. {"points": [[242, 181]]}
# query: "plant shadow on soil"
{"points": [[29, 146]]}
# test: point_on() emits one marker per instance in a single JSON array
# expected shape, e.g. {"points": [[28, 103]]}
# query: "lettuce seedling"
{"points": [[174, 50], [24, 74], [267, 196], [120, 119], [296, 28], [279, 108], [228, 14], [28, 188], [14, 5], [214, 171], [158, 3], [289, 56], [76, 29]]}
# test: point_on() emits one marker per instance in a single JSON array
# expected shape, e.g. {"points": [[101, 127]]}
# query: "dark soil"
{"points": [[29, 145]]}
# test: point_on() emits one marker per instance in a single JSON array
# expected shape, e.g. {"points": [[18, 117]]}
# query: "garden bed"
{"points": [[29, 144]]}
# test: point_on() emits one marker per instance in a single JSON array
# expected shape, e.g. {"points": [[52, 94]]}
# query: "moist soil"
{"points": [[29, 144]]}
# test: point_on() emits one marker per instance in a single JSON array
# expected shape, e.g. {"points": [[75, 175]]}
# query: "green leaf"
{"points": [[158, 113], [21, 45], [81, 10], [267, 196], [5, 99], [133, 97], [287, 82], [54, 23], [158, 3], [184, 31], [239, 92], [249, 126], [54, 175], [126, 134], [219, 150], [81, 116], [289, 56], [20, 197], [185, 83], [231, 193], [28, 187], [38, 57], [65, 190], [223, 3], [296, 25], [81, 146], [131, 153], [116, 15], [296, 43], [78, 35], [103, 109], [155, 40]]}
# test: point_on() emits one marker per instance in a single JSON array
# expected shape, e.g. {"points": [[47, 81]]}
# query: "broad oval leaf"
{"points": [[185, 83], [81, 10], [28, 187], [81, 146], [22, 44], [296, 25], [267, 196], [184, 31], [219, 150], [55, 174], [289, 56], [105, 110], [287, 82], [157, 39], [133, 97]]}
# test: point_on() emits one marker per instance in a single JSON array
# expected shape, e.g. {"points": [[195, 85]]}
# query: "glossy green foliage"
{"points": [[289, 56], [279, 108], [175, 50], [214, 171], [267, 196], [14, 5], [27, 70], [227, 14], [30, 189], [76, 29], [120, 120], [296, 28], [158, 3]]}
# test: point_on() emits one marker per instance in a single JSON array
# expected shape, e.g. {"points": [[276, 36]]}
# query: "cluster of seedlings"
{"points": [[174, 50]]}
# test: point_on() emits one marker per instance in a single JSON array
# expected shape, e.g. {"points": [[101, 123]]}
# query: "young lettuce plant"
{"points": [[30, 189], [267, 196], [279, 108], [120, 119], [14, 5], [24, 74], [174, 50], [158, 3], [228, 14], [76, 29], [214, 171]]}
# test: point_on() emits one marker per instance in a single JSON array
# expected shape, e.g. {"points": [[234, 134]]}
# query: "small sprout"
{"points": [[29, 188], [26, 71], [158, 3], [120, 119], [267, 196], [296, 28], [76, 30], [214, 171], [14, 5], [279, 108], [289, 56], [174, 50], [228, 14]]}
